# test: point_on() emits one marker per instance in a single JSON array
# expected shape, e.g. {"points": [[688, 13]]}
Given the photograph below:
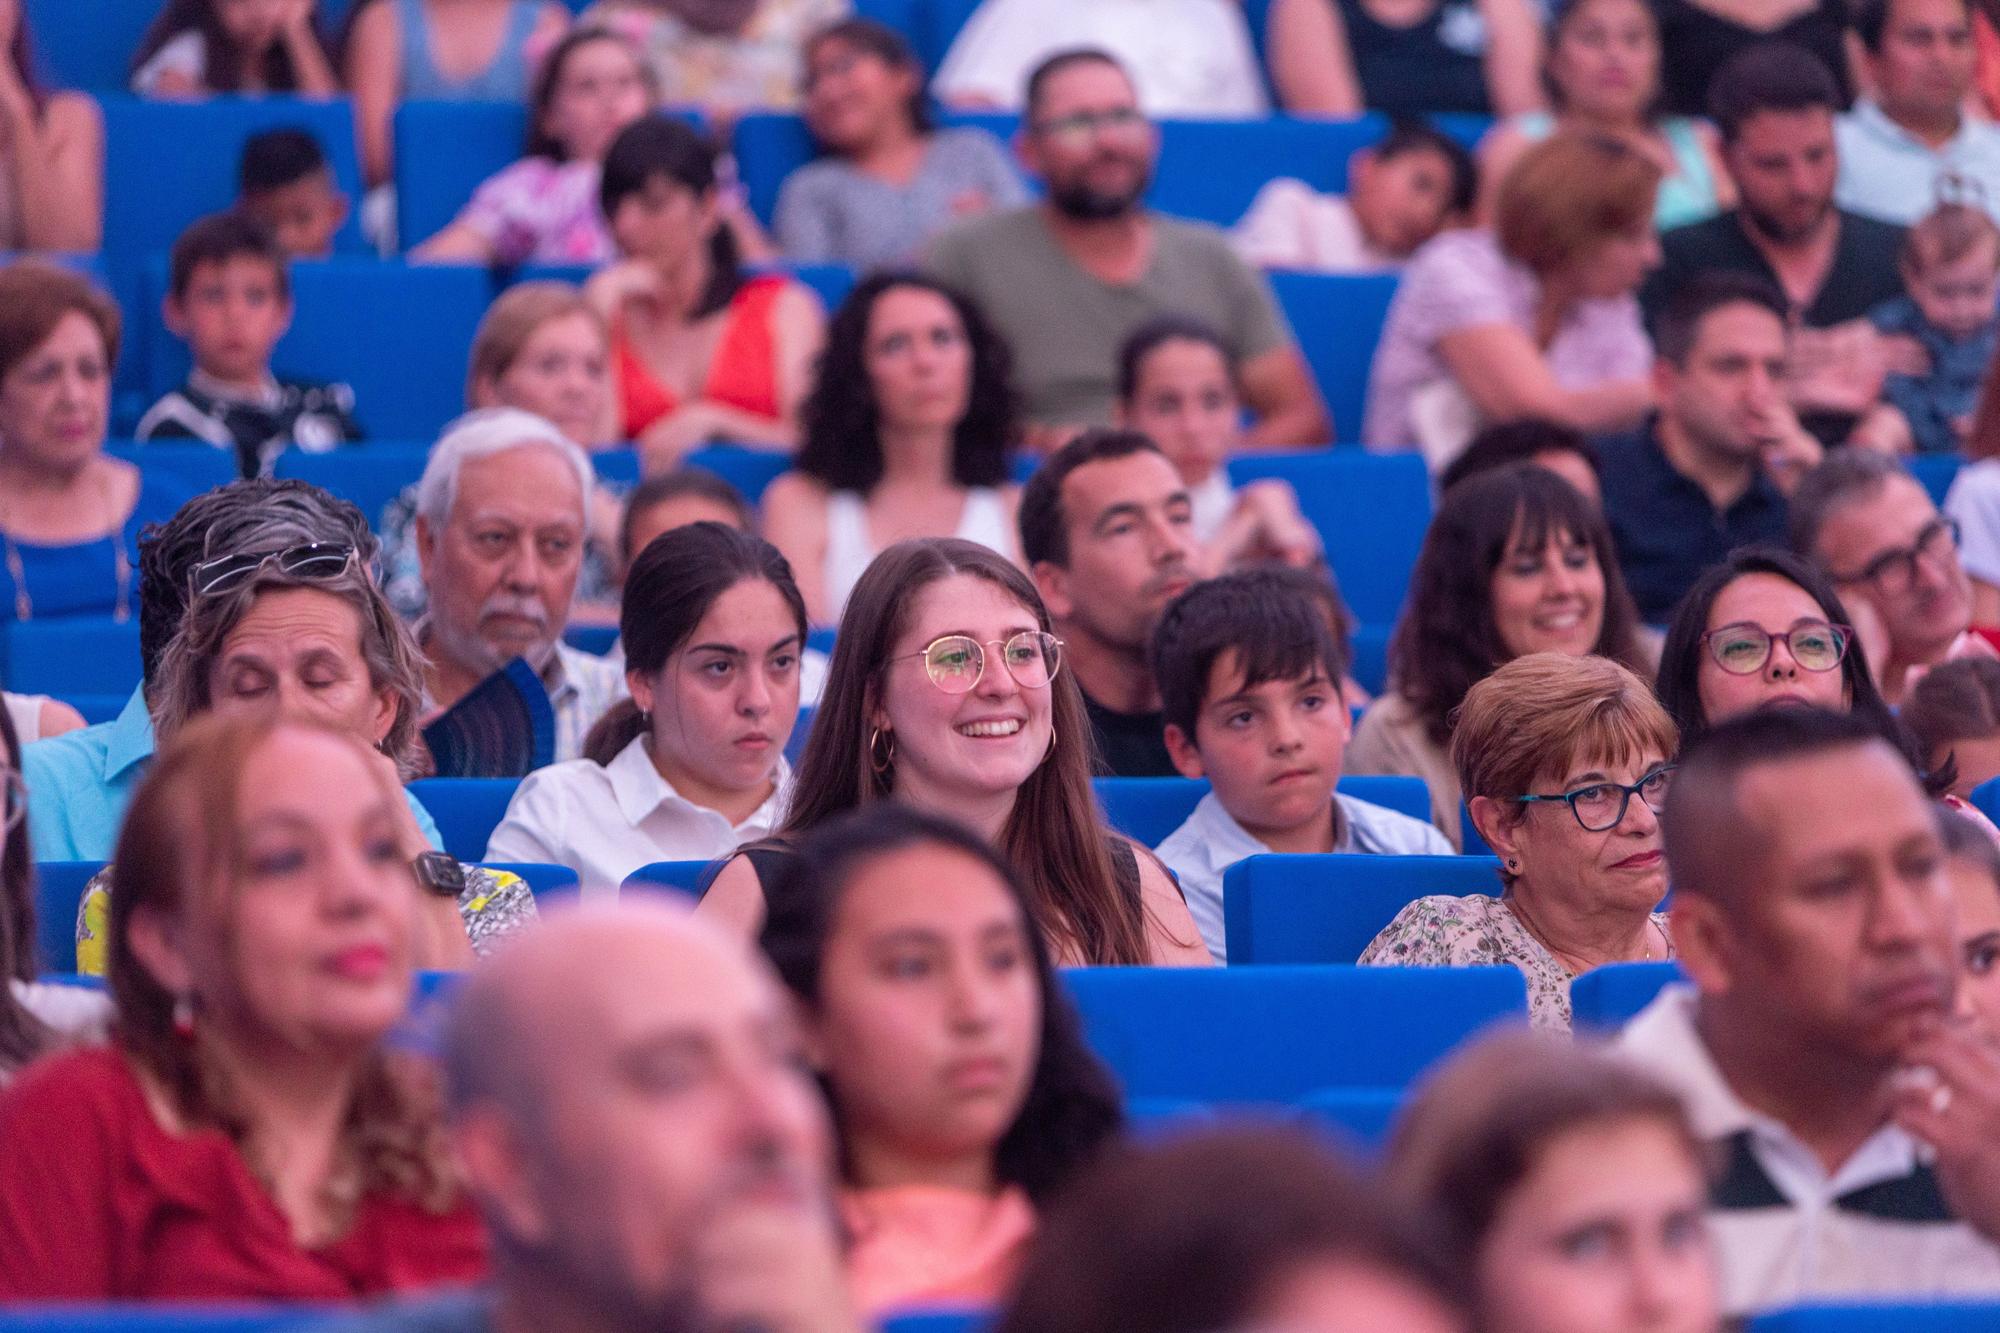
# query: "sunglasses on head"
{"points": [[313, 561]]}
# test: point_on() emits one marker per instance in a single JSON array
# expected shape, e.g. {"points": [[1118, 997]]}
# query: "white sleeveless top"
{"points": [[850, 550]]}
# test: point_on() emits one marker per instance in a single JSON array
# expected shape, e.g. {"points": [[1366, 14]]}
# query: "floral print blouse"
{"points": [[1480, 931]]}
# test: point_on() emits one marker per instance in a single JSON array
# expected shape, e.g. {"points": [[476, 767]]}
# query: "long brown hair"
{"points": [[177, 856], [1053, 837]]}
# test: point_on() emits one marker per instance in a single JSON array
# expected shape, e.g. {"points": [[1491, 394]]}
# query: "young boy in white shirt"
{"points": [[1249, 667]]}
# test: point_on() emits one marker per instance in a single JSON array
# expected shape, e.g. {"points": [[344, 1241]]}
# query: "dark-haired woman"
{"points": [[947, 692], [51, 153], [962, 1089], [906, 435], [700, 349], [1515, 562], [692, 766], [195, 48], [888, 179]]}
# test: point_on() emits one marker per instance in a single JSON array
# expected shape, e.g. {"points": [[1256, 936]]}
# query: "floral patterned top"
{"points": [[1480, 931]]}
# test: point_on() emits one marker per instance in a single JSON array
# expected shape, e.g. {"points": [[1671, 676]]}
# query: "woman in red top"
{"points": [[700, 350], [245, 1136]]}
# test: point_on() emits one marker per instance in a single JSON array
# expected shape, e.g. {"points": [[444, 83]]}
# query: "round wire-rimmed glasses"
{"points": [[956, 662]]}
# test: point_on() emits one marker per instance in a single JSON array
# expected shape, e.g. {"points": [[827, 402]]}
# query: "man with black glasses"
{"points": [[1874, 530]]}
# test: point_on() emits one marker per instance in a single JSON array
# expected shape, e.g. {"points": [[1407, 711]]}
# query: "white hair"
{"points": [[482, 434]]}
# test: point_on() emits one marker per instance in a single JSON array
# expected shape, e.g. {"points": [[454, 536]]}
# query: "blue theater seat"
{"points": [[93, 54], [1337, 318], [444, 150], [682, 875], [939, 1321], [1986, 798], [1606, 998], [1274, 1034], [200, 467], [1943, 1317], [1148, 809], [368, 475], [545, 882], [59, 887], [1371, 511], [1370, 665], [162, 1319], [748, 470], [1360, 1116], [70, 654], [1325, 909], [795, 744], [467, 810], [595, 639], [1936, 472]]}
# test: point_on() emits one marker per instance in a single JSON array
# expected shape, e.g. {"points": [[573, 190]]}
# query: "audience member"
{"points": [[955, 1068], [1341, 57], [1814, 915], [1710, 469], [1532, 317], [1954, 712], [1515, 562], [501, 518], [1774, 106], [947, 693], [1603, 75], [1252, 1226], [1523, 1143], [1974, 868], [52, 164], [1250, 679], [69, 516], [700, 350], [1412, 184], [1565, 452], [888, 179], [544, 208], [1699, 37], [669, 500], [247, 1135], [1177, 387], [1578, 885], [195, 48], [1973, 502], [692, 765], [1950, 265], [405, 50], [1909, 130], [1093, 250], [906, 433], [728, 58], [229, 298], [1874, 530], [1191, 59], [37, 717], [284, 183]]}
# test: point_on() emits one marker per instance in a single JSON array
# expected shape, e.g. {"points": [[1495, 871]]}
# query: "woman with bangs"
{"points": [[1565, 761], [1515, 562], [947, 692]]}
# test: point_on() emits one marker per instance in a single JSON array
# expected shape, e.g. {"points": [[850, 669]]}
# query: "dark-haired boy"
{"points": [[1249, 670], [284, 181], [1401, 192], [230, 299]]}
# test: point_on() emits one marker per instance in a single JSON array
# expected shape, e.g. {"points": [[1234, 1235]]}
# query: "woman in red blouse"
{"points": [[246, 1136]]}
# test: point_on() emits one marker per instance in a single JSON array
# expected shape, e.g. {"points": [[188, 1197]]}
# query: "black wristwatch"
{"points": [[440, 874]]}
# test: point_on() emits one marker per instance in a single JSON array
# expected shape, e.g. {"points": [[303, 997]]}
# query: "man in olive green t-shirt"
{"points": [[1067, 279]]}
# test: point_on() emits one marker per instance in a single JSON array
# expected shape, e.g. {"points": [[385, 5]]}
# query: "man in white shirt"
{"points": [[1814, 913], [1898, 146]]}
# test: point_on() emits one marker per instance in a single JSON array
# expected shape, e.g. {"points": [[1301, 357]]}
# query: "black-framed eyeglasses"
{"points": [[1893, 572], [1083, 124], [1743, 648], [314, 561], [1601, 806], [957, 662]]}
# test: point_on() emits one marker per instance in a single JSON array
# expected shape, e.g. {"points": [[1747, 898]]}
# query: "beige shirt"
{"points": [[1390, 740]]}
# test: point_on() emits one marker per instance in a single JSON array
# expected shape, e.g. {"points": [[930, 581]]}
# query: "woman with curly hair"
{"points": [[906, 435]]}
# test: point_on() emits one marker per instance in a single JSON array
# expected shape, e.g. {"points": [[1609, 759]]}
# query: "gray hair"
{"points": [[482, 434], [1843, 477]]}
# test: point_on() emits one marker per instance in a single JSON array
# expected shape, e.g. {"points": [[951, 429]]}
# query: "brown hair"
{"points": [[1945, 235], [513, 318], [1570, 192], [35, 295], [1053, 837], [1480, 1124], [1540, 713], [1983, 440], [1955, 701], [176, 856]]}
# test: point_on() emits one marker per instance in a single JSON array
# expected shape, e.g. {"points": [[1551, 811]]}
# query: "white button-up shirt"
{"points": [[1886, 172], [606, 822]]}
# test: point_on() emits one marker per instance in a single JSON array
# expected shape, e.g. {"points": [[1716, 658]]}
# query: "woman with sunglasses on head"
{"points": [[947, 692], [1565, 763]]}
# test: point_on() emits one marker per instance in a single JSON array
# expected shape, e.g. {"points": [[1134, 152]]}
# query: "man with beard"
{"points": [[500, 531], [1774, 106], [1067, 279]]}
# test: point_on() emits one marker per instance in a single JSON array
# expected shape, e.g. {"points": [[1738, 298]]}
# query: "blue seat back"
{"points": [[59, 887], [1371, 511], [81, 654], [597, 640], [1405, 795], [1361, 1117], [1326, 909], [1211, 170], [1913, 1317], [467, 810], [1273, 1034], [444, 150], [1936, 472], [748, 470], [682, 875], [1986, 798], [1607, 997], [795, 744], [1146, 810], [545, 882], [199, 467], [162, 1319], [939, 1321], [1369, 645], [88, 44], [1337, 319], [367, 475]]}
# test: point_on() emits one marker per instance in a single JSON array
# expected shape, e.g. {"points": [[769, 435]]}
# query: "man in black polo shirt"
{"points": [[1774, 105], [1710, 470]]}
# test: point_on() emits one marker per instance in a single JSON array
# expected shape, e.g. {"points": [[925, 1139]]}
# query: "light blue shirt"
{"points": [[1886, 172], [79, 784]]}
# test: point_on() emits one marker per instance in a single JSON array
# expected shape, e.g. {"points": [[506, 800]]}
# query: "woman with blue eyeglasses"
{"points": [[1565, 763]]}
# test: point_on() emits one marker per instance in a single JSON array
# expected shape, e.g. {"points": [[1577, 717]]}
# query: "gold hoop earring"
{"points": [[881, 762], [1052, 744]]}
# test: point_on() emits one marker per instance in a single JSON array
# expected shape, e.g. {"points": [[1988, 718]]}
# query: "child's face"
{"points": [[1184, 399], [600, 91], [303, 216], [1959, 297], [232, 316], [1271, 751], [252, 24], [1400, 201]]}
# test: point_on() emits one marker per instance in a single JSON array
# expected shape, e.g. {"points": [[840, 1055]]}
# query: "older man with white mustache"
{"points": [[500, 533]]}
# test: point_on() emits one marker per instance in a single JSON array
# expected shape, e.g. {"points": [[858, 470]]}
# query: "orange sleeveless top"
{"points": [[743, 372]]}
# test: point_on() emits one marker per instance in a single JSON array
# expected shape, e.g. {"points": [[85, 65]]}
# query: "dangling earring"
{"points": [[881, 761], [184, 1016]]}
